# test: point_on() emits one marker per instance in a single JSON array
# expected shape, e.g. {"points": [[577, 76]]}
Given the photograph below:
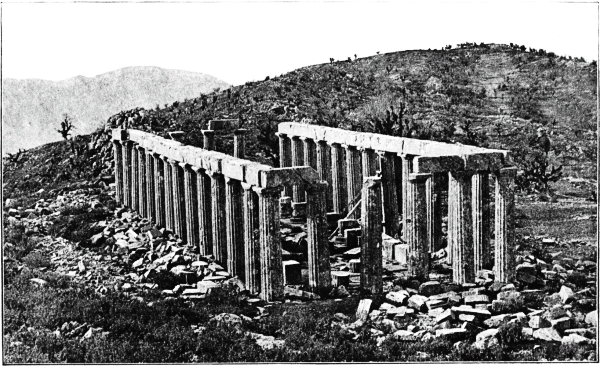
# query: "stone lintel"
{"points": [[438, 164], [119, 134]]}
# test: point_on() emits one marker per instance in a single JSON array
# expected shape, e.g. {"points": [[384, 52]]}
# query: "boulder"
{"points": [[592, 318], [430, 288], [547, 334], [418, 302], [566, 294]]}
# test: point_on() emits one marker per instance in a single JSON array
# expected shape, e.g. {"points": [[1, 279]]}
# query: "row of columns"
{"points": [[236, 222]]}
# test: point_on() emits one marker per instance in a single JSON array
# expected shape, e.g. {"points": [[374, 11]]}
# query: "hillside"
{"points": [[36, 106]]}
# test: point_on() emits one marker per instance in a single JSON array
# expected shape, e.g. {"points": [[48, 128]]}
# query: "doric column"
{"points": [[407, 166], [389, 193], [504, 267], [142, 195], [271, 265], [338, 179], [134, 179], [285, 157], [309, 151], [178, 200], [416, 226], [235, 228], [371, 261], [251, 240], [480, 183], [150, 190], [159, 197], [297, 160], [239, 143], [217, 194], [127, 156], [354, 176], [168, 173], [118, 159], [460, 226], [324, 170], [190, 189], [369, 162], [209, 139], [203, 198], [319, 269], [435, 213]]}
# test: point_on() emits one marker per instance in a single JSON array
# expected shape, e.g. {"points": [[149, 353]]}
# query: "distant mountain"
{"points": [[32, 109]]}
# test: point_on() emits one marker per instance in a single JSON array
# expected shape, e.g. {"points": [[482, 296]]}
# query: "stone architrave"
{"points": [[203, 197], [389, 193], [460, 226], [271, 265], [416, 226], [251, 240], [338, 179], [150, 190], [127, 155], [354, 176], [218, 217], [298, 194], [371, 266], [118, 158], [319, 268], [191, 204], [178, 201], [159, 197], [209, 139], [142, 194], [134, 179], [504, 266], [481, 220], [234, 228], [168, 172], [239, 143], [324, 169], [285, 158]]}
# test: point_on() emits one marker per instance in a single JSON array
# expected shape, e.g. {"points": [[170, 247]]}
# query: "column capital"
{"points": [[295, 137], [273, 192], [406, 156], [280, 134], [240, 131], [384, 153], [149, 151], [336, 145], [304, 138], [231, 181], [246, 186], [196, 168], [362, 148], [208, 133], [419, 177], [508, 172], [320, 141], [317, 186], [172, 161], [463, 174], [371, 181], [349, 147], [184, 165], [213, 174]]}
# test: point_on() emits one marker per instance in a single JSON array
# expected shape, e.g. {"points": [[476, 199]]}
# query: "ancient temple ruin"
{"points": [[230, 206]]}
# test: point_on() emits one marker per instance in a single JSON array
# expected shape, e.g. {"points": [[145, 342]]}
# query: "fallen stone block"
{"points": [[547, 334], [566, 294], [446, 315], [364, 306], [430, 288], [537, 322], [398, 298], [476, 299], [561, 323], [592, 318], [418, 302], [452, 333], [575, 338]]}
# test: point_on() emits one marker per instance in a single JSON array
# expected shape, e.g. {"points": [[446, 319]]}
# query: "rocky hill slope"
{"points": [[32, 108]]}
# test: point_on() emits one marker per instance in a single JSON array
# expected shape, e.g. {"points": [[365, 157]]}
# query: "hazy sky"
{"points": [[244, 41]]}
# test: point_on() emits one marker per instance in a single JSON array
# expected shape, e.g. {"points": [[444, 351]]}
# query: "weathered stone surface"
{"points": [[430, 288], [547, 334], [537, 322], [418, 302], [364, 306], [398, 298], [566, 294], [592, 318]]}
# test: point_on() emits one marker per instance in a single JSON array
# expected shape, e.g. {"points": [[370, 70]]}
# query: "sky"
{"points": [[240, 41]]}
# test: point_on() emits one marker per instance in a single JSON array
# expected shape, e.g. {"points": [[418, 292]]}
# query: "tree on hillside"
{"points": [[66, 126]]}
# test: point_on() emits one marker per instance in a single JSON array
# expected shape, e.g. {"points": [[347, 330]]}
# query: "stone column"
{"points": [[234, 228], [416, 226], [504, 267], [191, 204], [354, 175], [118, 158], [150, 190], [159, 197], [178, 201], [338, 179], [203, 198], [407, 166], [285, 158], [435, 237], [239, 143], [480, 183], [309, 151], [252, 254], [135, 176], [319, 269], [369, 162], [297, 160], [217, 189], [127, 155], [271, 265], [209, 139], [460, 227], [430, 212], [389, 193], [371, 266], [169, 219], [142, 195], [324, 170]]}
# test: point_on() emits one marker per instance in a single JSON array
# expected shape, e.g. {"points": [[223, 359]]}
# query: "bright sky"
{"points": [[245, 41]]}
